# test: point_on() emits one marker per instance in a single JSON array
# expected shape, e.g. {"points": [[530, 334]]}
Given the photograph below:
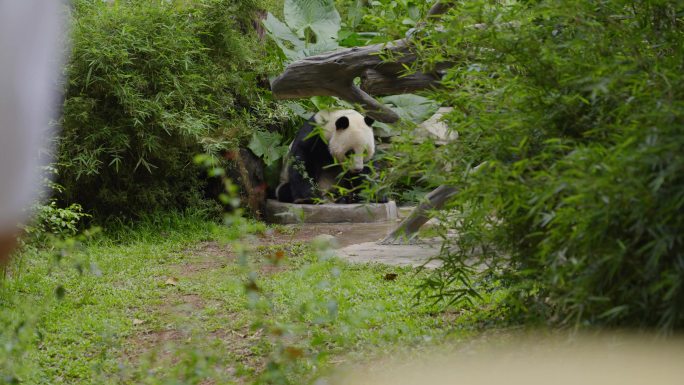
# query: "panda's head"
{"points": [[349, 135]]}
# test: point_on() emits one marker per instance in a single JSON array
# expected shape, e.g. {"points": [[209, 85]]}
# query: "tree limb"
{"points": [[375, 82], [439, 8], [435, 200], [408, 228], [333, 74]]}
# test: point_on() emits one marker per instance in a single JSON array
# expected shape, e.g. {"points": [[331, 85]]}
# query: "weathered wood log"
{"points": [[375, 82], [334, 73], [408, 228], [439, 8], [435, 200]]}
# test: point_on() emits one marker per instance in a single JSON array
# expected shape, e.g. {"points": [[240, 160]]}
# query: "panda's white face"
{"points": [[349, 135]]}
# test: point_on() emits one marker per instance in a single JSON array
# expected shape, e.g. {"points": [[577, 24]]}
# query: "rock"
{"points": [[436, 129], [418, 254], [326, 241]]}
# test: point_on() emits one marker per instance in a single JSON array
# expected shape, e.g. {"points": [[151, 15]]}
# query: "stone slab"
{"points": [[435, 128], [289, 213], [397, 255]]}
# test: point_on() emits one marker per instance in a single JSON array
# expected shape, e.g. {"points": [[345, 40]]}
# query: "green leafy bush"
{"points": [[150, 84], [49, 218], [577, 108], [52, 219], [376, 21]]}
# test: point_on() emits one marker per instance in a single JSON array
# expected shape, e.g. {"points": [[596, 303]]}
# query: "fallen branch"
{"points": [[408, 228], [333, 74], [375, 82], [435, 200], [379, 67]]}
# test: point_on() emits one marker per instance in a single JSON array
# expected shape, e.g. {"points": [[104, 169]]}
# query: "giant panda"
{"points": [[314, 160]]}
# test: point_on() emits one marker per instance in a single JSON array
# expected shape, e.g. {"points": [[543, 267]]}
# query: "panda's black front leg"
{"points": [[380, 197], [353, 182], [301, 183]]}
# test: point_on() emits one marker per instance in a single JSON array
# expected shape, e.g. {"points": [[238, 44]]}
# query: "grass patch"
{"points": [[171, 301]]}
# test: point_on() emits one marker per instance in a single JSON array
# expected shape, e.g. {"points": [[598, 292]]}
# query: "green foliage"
{"points": [[310, 28], [48, 217], [267, 145], [150, 84], [412, 109], [576, 108], [387, 19], [317, 16]]}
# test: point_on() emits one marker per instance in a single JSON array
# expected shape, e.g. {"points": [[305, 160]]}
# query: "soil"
{"points": [[161, 344]]}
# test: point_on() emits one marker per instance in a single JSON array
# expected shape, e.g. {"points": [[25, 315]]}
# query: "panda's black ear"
{"points": [[342, 123], [369, 121]]}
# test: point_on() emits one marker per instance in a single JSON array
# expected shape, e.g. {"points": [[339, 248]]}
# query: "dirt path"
{"points": [[181, 327]]}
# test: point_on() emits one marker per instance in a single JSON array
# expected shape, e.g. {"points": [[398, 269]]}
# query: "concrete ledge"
{"points": [[286, 213]]}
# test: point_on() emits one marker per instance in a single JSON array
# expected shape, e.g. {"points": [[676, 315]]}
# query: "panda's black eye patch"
{"points": [[369, 121], [342, 123], [349, 154]]}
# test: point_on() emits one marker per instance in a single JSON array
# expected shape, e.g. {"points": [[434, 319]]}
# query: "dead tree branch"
{"points": [[375, 82], [333, 74], [408, 228], [439, 8], [379, 66]]}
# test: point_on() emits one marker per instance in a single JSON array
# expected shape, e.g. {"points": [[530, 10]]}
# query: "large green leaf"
{"points": [[320, 16], [320, 47], [267, 145], [409, 107], [288, 42], [412, 107]]}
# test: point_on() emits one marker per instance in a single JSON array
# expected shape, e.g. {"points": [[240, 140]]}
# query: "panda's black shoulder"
{"points": [[307, 128], [306, 136]]}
